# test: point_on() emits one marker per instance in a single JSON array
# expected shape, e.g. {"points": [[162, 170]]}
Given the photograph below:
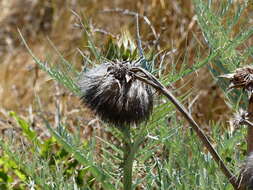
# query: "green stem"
{"points": [[129, 153]]}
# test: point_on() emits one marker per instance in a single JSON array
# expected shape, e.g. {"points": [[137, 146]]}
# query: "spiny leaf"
{"points": [[98, 174]]}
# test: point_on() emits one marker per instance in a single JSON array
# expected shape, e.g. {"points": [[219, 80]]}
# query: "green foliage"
{"points": [[168, 154], [221, 39], [48, 164], [27, 131], [64, 138], [170, 158]]}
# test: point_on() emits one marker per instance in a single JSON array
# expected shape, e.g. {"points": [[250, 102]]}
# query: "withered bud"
{"points": [[239, 118], [116, 96], [241, 78]]}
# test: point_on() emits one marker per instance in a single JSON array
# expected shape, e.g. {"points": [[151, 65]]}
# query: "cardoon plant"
{"points": [[119, 91], [113, 92]]}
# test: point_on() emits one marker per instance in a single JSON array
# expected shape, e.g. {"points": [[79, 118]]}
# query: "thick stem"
{"points": [[128, 167], [128, 160], [249, 123], [249, 139], [250, 129]]}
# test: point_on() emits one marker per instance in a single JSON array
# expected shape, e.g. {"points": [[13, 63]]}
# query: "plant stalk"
{"points": [[243, 185], [248, 122], [153, 81], [250, 129], [128, 159]]}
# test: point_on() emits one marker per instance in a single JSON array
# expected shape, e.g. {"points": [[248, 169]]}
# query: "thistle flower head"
{"points": [[111, 90], [124, 49], [239, 118], [241, 78]]}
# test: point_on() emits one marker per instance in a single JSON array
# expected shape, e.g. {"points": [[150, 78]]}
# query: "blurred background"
{"points": [[42, 21]]}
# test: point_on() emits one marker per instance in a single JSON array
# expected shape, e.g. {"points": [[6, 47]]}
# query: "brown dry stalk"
{"points": [[250, 129], [148, 78]]}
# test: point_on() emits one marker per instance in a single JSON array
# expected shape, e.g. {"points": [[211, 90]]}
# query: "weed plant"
{"points": [[170, 155]]}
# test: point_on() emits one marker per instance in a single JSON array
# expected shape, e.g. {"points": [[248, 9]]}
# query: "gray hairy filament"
{"points": [[115, 95]]}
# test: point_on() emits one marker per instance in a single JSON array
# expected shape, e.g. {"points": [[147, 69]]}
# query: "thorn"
{"points": [[227, 76]]}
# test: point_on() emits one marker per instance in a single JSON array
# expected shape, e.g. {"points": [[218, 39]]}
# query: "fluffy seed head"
{"points": [[239, 118], [111, 90]]}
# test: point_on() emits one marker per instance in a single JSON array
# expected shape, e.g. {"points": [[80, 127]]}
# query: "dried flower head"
{"points": [[112, 91], [241, 78], [239, 118]]}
